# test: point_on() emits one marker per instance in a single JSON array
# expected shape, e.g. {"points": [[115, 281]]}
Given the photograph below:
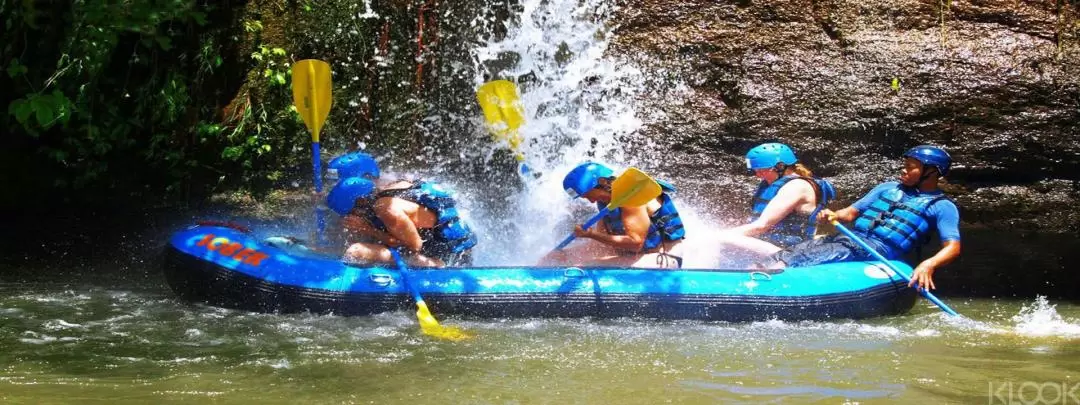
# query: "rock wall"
{"points": [[851, 84]]}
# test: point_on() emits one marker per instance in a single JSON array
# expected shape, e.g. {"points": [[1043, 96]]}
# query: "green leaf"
{"points": [[278, 51], [257, 56], [58, 155], [199, 17], [164, 42], [44, 115], [232, 153], [14, 69], [21, 109]]}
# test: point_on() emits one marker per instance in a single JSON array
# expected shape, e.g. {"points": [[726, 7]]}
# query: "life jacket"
{"points": [[795, 227], [665, 225], [450, 231], [898, 218]]}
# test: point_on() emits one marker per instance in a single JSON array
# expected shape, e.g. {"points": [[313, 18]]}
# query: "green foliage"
{"points": [[97, 82], [273, 63], [41, 111], [149, 96], [126, 95]]}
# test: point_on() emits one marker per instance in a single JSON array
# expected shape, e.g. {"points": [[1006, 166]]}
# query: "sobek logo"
{"points": [[1034, 393]]}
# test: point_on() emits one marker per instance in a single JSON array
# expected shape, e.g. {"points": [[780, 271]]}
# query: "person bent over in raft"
{"points": [[421, 219], [785, 207], [360, 164], [648, 236], [353, 164], [894, 218]]}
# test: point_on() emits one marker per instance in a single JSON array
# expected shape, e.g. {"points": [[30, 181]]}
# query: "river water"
{"points": [[86, 343]]}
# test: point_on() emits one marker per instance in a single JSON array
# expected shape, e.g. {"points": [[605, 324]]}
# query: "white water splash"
{"points": [[580, 104], [368, 12], [1041, 319], [577, 103]]}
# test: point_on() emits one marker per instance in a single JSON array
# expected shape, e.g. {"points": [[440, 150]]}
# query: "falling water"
{"points": [[580, 104]]}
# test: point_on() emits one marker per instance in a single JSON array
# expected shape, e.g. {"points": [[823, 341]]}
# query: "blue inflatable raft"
{"points": [[229, 267]]}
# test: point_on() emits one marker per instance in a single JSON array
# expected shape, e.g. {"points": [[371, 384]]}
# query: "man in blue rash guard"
{"points": [[894, 218]]}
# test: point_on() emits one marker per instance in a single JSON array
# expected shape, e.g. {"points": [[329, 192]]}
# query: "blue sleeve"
{"points": [[947, 217], [865, 201]]}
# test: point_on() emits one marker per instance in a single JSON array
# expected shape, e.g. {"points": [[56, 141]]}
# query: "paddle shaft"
{"points": [[404, 269], [320, 209], [926, 293], [428, 324], [588, 224], [316, 165], [312, 97]]}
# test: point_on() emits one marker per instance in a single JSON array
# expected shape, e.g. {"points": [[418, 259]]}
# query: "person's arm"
{"points": [[851, 212], [636, 224], [783, 204], [845, 215], [357, 225], [398, 223], [924, 272], [948, 227]]}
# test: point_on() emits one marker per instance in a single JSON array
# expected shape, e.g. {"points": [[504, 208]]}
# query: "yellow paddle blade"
{"points": [[503, 112], [633, 188], [431, 327], [311, 93]]}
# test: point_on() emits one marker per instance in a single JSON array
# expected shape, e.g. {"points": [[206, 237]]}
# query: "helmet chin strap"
{"points": [[926, 174], [780, 168]]}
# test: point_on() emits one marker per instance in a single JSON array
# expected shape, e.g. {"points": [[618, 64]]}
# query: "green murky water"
{"points": [[72, 344]]}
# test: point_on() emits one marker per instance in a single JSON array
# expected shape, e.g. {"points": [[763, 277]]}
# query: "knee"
{"points": [[363, 252], [554, 258]]}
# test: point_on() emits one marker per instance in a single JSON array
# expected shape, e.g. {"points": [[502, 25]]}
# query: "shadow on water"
{"points": [[108, 248], [997, 263]]}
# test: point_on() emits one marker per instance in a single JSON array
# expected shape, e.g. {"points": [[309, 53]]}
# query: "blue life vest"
{"points": [[898, 218], [449, 235], [665, 225], [796, 227]]}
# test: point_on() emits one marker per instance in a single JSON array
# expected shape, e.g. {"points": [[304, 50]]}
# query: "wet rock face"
{"points": [[851, 84]]}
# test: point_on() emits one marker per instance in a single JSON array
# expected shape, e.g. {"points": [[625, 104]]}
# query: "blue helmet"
{"points": [[931, 156], [355, 164], [767, 155], [342, 198], [585, 177]]}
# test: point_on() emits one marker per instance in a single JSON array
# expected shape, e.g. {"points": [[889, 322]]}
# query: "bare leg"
{"points": [[577, 254], [367, 253], [613, 261], [420, 260], [740, 250], [376, 253], [658, 260]]}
